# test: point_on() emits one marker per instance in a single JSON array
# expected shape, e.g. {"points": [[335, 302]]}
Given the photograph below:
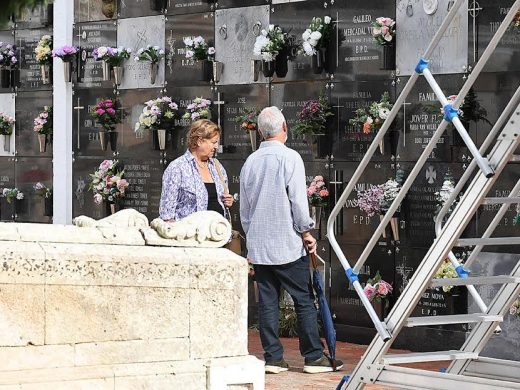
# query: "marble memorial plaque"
{"points": [[141, 143], [350, 142], [416, 29], [138, 8], [290, 98], [421, 204], [421, 115], [90, 10], [179, 69], [40, 16], [294, 18], [189, 6], [344, 301], [7, 106], [354, 226], [85, 130], [29, 171], [236, 30], [28, 107], [30, 75], [89, 36], [360, 58], [6, 181], [144, 192], [136, 33], [236, 141], [485, 16]]}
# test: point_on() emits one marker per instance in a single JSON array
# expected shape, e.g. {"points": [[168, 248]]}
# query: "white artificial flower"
{"points": [[271, 27], [198, 40], [19, 196], [369, 120], [161, 52], [313, 42], [383, 113], [316, 35], [263, 32], [327, 19], [306, 34], [188, 41], [308, 49], [388, 37]]}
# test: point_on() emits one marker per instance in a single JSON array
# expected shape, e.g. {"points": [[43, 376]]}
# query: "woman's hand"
{"points": [[227, 199]]}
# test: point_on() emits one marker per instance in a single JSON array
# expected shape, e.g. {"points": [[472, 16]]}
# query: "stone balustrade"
{"points": [[97, 308]]}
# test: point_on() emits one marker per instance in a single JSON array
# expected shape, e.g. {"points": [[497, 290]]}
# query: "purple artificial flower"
{"points": [[100, 111]]}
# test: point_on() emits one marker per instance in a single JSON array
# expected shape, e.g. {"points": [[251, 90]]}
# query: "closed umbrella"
{"points": [[326, 317]]}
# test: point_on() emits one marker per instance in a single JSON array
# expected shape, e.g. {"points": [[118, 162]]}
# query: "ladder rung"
{"points": [[453, 319], [501, 200], [475, 280], [404, 358], [488, 241], [515, 158]]}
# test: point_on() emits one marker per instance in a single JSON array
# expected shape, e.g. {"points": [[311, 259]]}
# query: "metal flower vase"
{"points": [[394, 225], [317, 62], [252, 138], [111, 208], [161, 138], [67, 71], [45, 73], [118, 75], [48, 206], [381, 308], [218, 67], [382, 146], [42, 141], [388, 57], [206, 71], [316, 213], [7, 142], [112, 136], [5, 77], [154, 69], [106, 71], [268, 68], [103, 139]]}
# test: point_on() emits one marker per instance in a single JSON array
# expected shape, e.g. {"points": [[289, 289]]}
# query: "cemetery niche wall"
{"points": [[355, 75]]}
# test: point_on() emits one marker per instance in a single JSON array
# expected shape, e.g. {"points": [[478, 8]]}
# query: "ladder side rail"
{"points": [[432, 260], [482, 332], [492, 136], [491, 368], [492, 226]]}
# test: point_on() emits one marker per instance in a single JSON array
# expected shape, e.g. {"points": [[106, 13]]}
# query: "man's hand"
{"points": [[227, 199], [309, 242]]}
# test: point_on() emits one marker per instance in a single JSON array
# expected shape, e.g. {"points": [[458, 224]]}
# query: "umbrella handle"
{"points": [[314, 260]]}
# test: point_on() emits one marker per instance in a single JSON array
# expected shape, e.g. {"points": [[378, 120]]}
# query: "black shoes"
{"points": [[323, 364], [276, 367]]}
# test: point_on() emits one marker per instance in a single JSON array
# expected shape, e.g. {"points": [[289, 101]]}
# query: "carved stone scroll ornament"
{"points": [[198, 227], [123, 218]]}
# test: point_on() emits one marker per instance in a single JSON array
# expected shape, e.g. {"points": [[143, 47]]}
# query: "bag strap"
{"points": [[226, 188]]}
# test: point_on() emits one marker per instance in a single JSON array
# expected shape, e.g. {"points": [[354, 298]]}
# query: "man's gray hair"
{"points": [[270, 122]]}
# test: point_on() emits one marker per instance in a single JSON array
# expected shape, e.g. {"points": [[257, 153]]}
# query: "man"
{"points": [[275, 217]]}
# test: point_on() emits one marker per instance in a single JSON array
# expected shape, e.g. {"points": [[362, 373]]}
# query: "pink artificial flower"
{"points": [[324, 193], [111, 111], [98, 198], [105, 165], [108, 103], [318, 178], [384, 30], [320, 184], [122, 184], [369, 291], [382, 289], [100, 111], [311, 190]]}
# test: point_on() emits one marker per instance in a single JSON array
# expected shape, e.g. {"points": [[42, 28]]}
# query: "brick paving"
{"points": [[295, 379]]}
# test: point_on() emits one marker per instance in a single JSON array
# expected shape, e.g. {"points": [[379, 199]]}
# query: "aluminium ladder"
{"points": [[479, 373]]}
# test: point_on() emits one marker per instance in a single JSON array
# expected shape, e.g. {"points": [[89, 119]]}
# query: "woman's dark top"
{"points": [[213, 203]]}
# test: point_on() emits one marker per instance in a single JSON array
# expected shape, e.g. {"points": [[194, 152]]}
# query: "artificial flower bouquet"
{"points": [[446, 271], [317, 192], [157, 113], [42, 190], [312, 119], [378, 198], [515, 308], [107, 182], [248, 119], [8, 55], [317, 35], [43, 50], [199, 108], [6, 124], [383, 31], [373, 116], [196, 48], [66, 53], [152, 54], [377, 289], [516, 21], [270, 43], [442, 196], [11, 194], [43, 122], [111, 55], [107, 114]]}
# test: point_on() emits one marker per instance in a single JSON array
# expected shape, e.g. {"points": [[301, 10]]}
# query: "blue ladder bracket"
{"points": [[352, 276], [450, 113], [421, 65], [343, 381], [462, 272]]}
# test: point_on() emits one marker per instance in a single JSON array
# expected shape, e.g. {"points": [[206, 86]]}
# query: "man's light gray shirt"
{"points": [[273, 204]]}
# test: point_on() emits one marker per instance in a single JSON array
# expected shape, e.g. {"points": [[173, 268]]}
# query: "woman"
{"points": [[192, 182]]}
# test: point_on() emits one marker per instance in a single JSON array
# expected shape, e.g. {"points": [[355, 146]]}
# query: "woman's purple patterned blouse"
{"points": [[183, 191]]}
